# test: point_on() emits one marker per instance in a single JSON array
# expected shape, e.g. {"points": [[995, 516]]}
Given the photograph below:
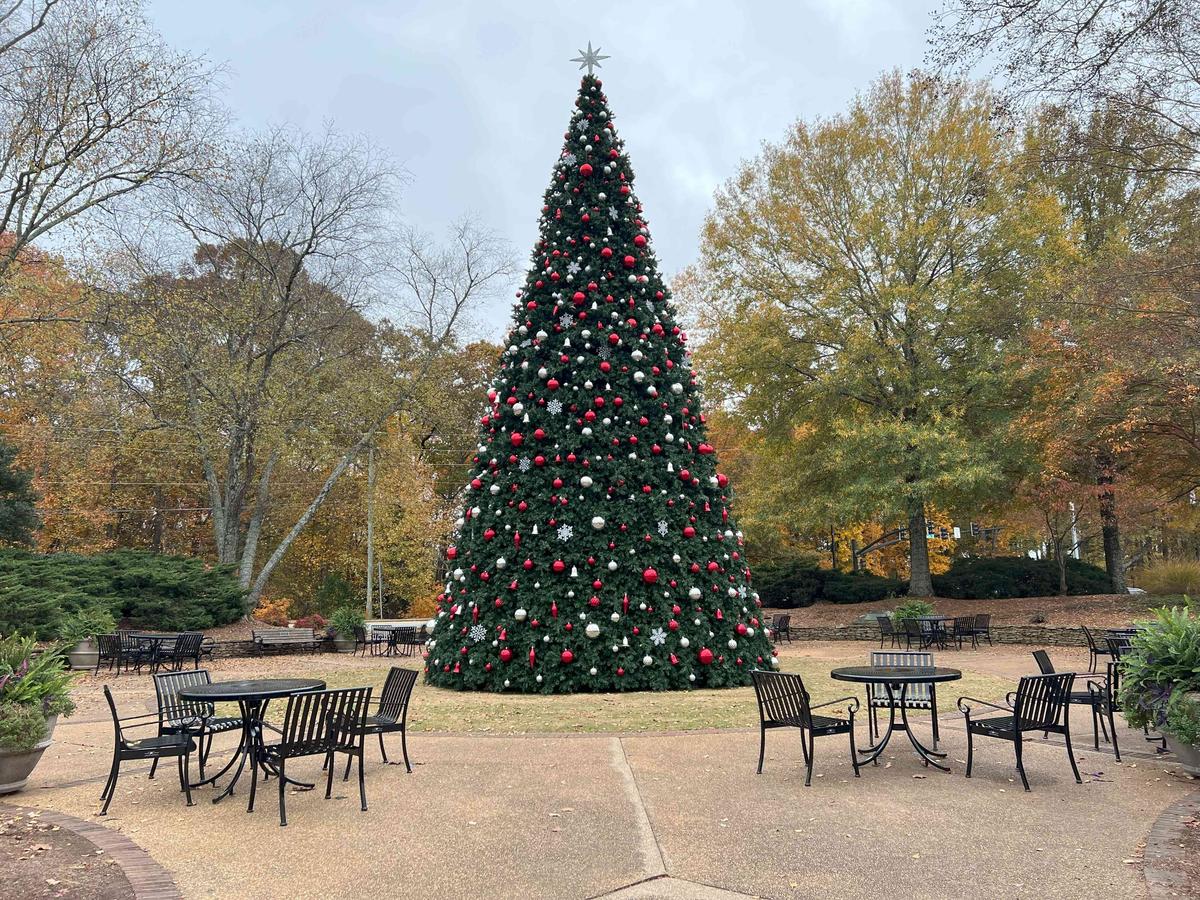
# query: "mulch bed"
{"points": [[39, 859], [1100, 610]]}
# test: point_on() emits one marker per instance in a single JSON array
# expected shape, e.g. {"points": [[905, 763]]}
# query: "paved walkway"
{"points": [[647, 816]]}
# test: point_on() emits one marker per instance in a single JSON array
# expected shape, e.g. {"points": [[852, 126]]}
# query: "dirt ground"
{"points": [[1100, 610], [38, 859]]}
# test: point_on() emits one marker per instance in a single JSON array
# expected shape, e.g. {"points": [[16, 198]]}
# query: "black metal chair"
{"points": [[391, 713], [108, 649], [135, 652], [318, 723], [921, 695], [781, 627], [912, 630], [1038, 704], [191, 717], [362, 640], [1119, 645], [963, 627], [783, 702], [1094, 650], [983, 627], [1099, 697], [187, 647], [159, 746], [887, 630]]}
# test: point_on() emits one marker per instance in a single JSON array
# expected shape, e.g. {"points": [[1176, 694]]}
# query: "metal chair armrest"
{"points": [[966, 707], [850, 701]]}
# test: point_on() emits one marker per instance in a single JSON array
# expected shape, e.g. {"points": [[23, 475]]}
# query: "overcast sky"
{"points": [[472, 98]]}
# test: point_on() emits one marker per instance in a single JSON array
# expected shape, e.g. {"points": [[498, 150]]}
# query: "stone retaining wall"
{"points": [[1031, 635]]}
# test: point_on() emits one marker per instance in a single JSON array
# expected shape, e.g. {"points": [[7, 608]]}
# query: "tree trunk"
{"points": [[920, 581], [1114, 562], [1062, 575]]}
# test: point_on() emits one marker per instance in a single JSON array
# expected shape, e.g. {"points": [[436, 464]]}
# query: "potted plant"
{"points": [[343, 623], [78, 632], [912, 609], [1160, 681], [34, 692]]}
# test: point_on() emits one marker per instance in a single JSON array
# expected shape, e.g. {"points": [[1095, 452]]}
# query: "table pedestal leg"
{"points": [[247, 747], [871, 754], [922, 751]]}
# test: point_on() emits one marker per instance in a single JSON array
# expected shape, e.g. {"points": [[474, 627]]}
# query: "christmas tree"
{"points": [[597, 551]]}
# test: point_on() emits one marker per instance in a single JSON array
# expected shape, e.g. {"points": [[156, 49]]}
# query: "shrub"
{"points": [[345, 620], [1161, 675], [979, 578], [424, 607], [22, 727], [802, 584], [316, 621], [1171, 577], [85, 623], [912, 608], [273, 612], [144, 590]]}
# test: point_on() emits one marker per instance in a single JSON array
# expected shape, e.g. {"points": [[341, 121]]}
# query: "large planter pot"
{"points": [[1188, 756], [342, 645], [15, 766], [84, 655]]}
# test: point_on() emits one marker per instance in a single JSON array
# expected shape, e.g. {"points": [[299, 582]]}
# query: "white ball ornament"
{"points": [[677, 388], [774, 662], [494, 489], [501, 563], [637, 355], [616, 617], [684, 643], [732, 645], [691, 677], [647, 660], [592, 630], [520, 615], [507, 682], [695, 593], [612, 565], [598, 522], [538, 679], [592, 670], [585, 481], [518, 408]]}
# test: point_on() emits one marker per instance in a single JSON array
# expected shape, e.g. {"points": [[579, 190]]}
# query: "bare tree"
{"points": [[260, 350], [93, 106], [1142, 56], [18, 20]]}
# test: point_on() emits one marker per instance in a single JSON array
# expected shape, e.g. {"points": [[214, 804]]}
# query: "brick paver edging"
{"points": [[1162, 848], [149, 880]]}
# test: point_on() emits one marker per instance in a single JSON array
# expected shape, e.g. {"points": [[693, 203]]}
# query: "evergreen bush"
{"points": [[987, 577], [38, 592]]}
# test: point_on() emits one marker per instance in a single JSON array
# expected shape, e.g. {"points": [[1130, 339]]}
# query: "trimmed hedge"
{"points": [[795, 585], [986, 577], [142, 589], [803, 584]]}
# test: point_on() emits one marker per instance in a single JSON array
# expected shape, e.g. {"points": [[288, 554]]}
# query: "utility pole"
{"points": [[371, 528]]}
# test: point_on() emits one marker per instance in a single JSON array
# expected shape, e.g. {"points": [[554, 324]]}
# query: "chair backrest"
{"points": [[983, 621], [320, 721], [109, 645], [782, 698], [912, 627], [393, 699], [1091, 641], [128, 642], [172, 709], [885, 625], [187, 645], [964, 624], [118, 734], [782, 621], [1041, 700], [1043, 660], [360, 634], [903, 659]]}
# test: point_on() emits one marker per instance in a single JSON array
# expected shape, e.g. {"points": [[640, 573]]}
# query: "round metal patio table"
{"points": [[895, 680], [252, 697]]}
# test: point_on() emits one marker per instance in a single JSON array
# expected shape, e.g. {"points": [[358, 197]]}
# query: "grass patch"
{"points": [[438, 709]]}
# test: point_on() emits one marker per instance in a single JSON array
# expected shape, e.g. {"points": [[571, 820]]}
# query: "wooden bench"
{"points": [[285, 639]]}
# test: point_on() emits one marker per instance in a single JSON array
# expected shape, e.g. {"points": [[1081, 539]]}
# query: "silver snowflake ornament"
{"points": [[566, 320], [605, 353], [525, 464], [477, 633], [663, 528], [554, 407], [612, 213], [565, 532], [573, 267], [658, 637], [569, 158]]}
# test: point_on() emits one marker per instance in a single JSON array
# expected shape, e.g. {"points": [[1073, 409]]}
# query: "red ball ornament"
{"points": [[552, 384], [559, 565], [585, 170], [689, 532], [706, 657], [629, 262], [567, 657], [650, 576], [606, 253], [722, 479], [505, 655], [639, 240], [451, 553], [517, 439]]}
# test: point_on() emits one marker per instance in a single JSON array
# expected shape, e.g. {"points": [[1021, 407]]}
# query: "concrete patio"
{"points": [[640, 815]]}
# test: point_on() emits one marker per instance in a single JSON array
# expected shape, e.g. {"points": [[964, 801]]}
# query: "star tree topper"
{"points": [[589, 58]]}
